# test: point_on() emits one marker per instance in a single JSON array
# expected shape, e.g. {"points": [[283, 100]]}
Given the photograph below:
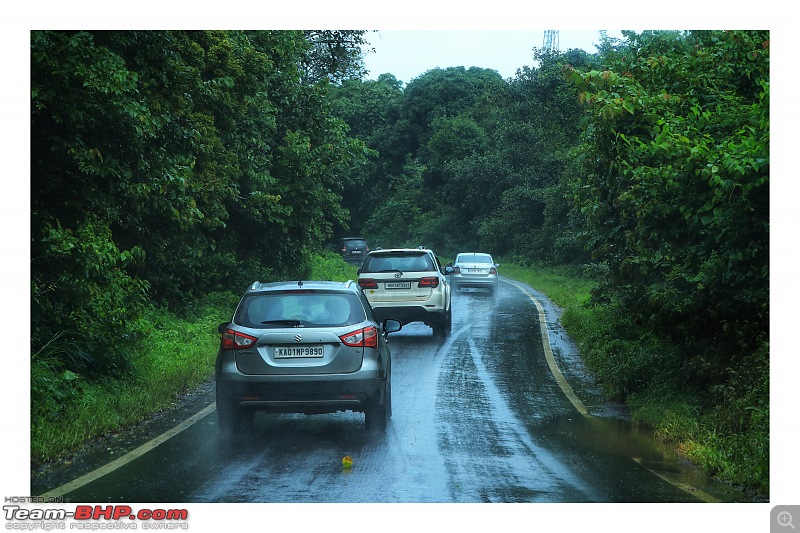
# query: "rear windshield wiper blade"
{"points": [[284, 322]]}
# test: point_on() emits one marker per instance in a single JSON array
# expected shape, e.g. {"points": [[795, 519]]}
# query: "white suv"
{"points": [[409, 285]]}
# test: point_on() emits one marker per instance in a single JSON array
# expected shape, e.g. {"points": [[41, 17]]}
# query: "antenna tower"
{"points": [[550, 40]]}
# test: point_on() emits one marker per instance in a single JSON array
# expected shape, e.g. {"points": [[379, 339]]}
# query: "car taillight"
{"points": [[364, 338], [233, 340], [456, 270], [493, 270], [367, 283], [429, 281]]}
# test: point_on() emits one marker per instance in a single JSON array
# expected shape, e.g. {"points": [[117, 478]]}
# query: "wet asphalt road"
{"points": [[478, 417]]}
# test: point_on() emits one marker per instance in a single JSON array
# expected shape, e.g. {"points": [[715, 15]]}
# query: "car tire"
{"points": [[443, 327], [388, 401], [377, 413], [232, 419]]}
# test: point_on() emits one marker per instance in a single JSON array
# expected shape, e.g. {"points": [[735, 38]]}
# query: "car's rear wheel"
{"points": [[378, 412], [232, 419], [442, 327], [388, 400]]}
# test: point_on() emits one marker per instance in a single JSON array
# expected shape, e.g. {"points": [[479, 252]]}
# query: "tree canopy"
{"points": [[167, 164]]}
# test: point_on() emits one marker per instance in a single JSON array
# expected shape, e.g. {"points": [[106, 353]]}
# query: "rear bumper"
{"points": [[489, 283], [304, 397], [355, 259], [310, 394], [409, 313]]}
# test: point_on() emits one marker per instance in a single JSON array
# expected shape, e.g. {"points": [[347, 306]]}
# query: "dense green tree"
{"points": [[527, 206], [371, 109], [171, 163], [475, 138], [675, 188], [334, 55], [445, 93]]}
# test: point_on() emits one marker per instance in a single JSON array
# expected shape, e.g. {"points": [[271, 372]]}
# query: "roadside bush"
{"points": [[739, 424], [82, 297], [329, 266], [53, 389], [625, 357], [172, 355]]}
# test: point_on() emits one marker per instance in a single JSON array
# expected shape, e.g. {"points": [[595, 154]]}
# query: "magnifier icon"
{"points": [[785, 519]]}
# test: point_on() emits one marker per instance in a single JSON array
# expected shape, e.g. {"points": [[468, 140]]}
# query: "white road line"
{"points": [[128, 457]]}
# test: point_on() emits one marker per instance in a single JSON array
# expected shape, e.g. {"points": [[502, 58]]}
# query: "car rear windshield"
{"points": [[354, 243], [474, 258], [404, 262], [299, 308]]}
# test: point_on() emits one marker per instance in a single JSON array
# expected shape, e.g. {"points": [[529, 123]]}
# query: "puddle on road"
{"points": [[622, 440]]}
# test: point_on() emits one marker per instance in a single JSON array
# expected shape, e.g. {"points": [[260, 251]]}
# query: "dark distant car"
{"points": [[304, 347], [475, 270], [353, 249]]}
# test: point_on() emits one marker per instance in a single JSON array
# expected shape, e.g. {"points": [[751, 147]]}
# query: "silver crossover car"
{"points": [[304, 347], [475, 270]]}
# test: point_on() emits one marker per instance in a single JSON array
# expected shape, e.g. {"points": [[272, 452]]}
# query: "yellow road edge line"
{"points": [[686, 487], [128, 457], [566, 388], [578, 404]]}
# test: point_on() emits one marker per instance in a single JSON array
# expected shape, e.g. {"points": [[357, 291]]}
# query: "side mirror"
{"points": [[391, 325], [449, 270], [358, 272], [222, 327]]}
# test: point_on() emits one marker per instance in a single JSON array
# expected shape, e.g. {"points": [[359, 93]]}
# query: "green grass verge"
{"points": [[722, 428], [173, 355], [330, 266], [565, 286]]}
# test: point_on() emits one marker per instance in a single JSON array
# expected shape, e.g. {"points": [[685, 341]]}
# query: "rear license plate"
{"points": [[476, 271], [286, 352], [398, 285]]}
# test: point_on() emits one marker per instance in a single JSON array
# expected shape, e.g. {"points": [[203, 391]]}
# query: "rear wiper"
{"points": [[385, 271], [293, 322]]}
